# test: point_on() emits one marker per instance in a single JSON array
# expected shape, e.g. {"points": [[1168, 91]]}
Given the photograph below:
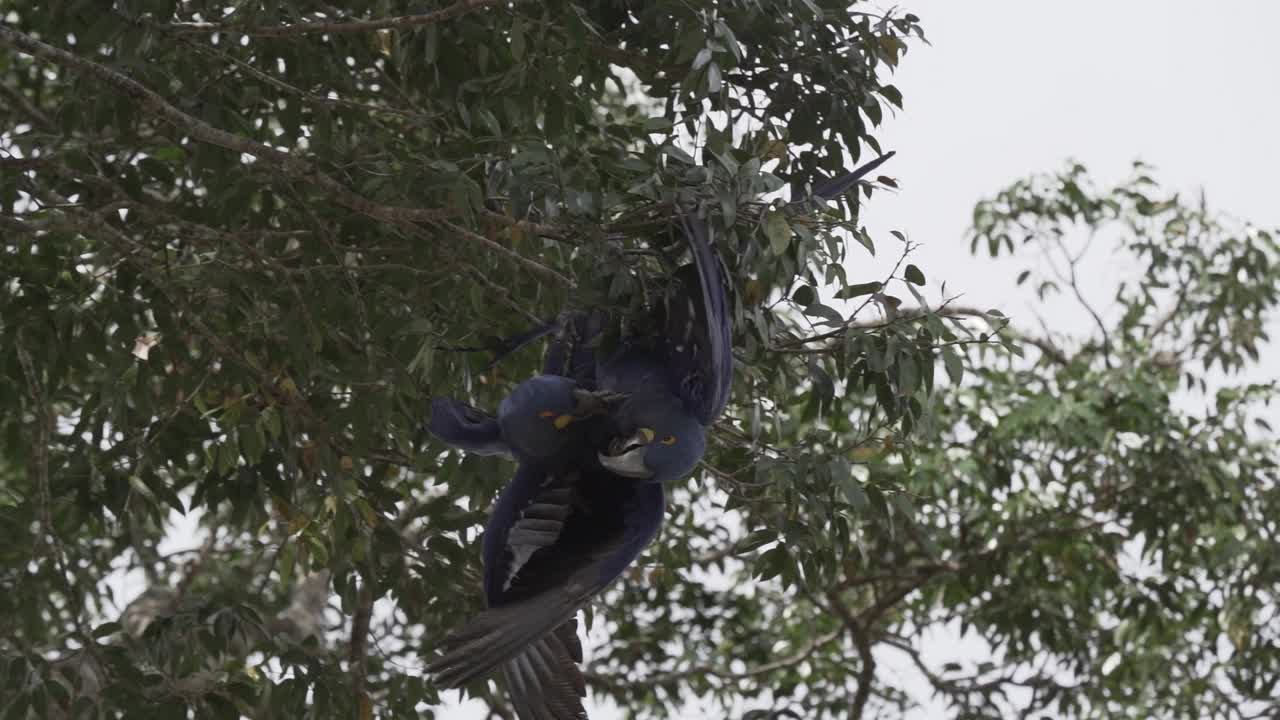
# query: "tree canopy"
{"points": [[244, 245]]}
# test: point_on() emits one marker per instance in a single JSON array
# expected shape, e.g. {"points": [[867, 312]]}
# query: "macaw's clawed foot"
{"points": [[588, 403]]}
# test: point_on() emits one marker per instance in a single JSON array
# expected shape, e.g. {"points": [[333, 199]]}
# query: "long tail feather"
{"points": [[495, 635], [833, 188], [545, 681]]}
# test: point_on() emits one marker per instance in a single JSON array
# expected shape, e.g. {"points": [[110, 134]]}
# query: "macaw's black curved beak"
{"points": [[626, 455]]}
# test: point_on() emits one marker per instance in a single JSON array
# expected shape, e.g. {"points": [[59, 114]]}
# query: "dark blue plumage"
{"points": [[832, 188], [596, 439], [466, 427]]}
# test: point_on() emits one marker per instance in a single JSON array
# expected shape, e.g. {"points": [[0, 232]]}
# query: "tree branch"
{"points": [[533, 265], [462, 7], [279, 159], [359, 653], [20, 101], [867, 673], [792, 660], [1043, 344], [1074, 282]]}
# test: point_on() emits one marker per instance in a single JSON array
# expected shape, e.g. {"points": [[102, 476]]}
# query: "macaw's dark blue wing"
{"points": [[832, 188], [698, 326], [554, 540], [463, 426], [572, 351], [503, 347]]}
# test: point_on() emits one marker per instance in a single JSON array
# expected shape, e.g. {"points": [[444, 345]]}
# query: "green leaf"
{"points": [[702, 58], [105, 629], [658, 123], [778, 231], [517, 40], [955, 368], [914, 276], [679, 154], [828, 314], [842, 473], [859, 290]]}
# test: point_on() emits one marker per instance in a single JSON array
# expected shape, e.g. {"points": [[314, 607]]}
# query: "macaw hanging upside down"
{"points": [[595, 440]]}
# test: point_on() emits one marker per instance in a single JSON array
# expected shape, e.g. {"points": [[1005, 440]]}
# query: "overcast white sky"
{"points": [[1012, 87]]}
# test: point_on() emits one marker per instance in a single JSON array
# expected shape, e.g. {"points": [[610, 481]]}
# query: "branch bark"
{"points": [[359, 653], [285, 162], [858, 633], [462, 7]]}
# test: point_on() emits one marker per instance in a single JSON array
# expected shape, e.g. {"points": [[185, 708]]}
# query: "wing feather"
{"points": [[606, 521], [545, 681], [698, 333]]}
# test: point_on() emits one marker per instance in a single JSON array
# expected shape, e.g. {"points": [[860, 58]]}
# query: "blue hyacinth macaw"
{"points": [[595, 441], [595, 445]]}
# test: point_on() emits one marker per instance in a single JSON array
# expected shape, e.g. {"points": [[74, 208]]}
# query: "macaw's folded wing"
{"points": [[554, 540], [572, 350], [698, 327]]}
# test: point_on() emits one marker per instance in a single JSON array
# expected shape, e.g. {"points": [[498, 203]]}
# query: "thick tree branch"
{"points": [[462, 7], [858, 633], [283, 161], [359, 652], [20, 101]]}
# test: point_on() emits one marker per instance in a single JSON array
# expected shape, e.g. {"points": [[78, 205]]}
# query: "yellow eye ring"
{"points": [[669, 440]]}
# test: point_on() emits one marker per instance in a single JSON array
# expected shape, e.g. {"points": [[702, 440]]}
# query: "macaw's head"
{"points": [[537, 416], [658, 439]]}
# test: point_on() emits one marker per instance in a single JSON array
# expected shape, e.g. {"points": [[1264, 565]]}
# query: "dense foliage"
{"points": [[240, 242]]}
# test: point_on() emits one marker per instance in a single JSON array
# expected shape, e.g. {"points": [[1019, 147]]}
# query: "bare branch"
{"points": [[1073, 281]]}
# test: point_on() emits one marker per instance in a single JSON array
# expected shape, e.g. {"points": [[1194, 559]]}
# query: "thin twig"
{"points": [[1075, 289]]}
